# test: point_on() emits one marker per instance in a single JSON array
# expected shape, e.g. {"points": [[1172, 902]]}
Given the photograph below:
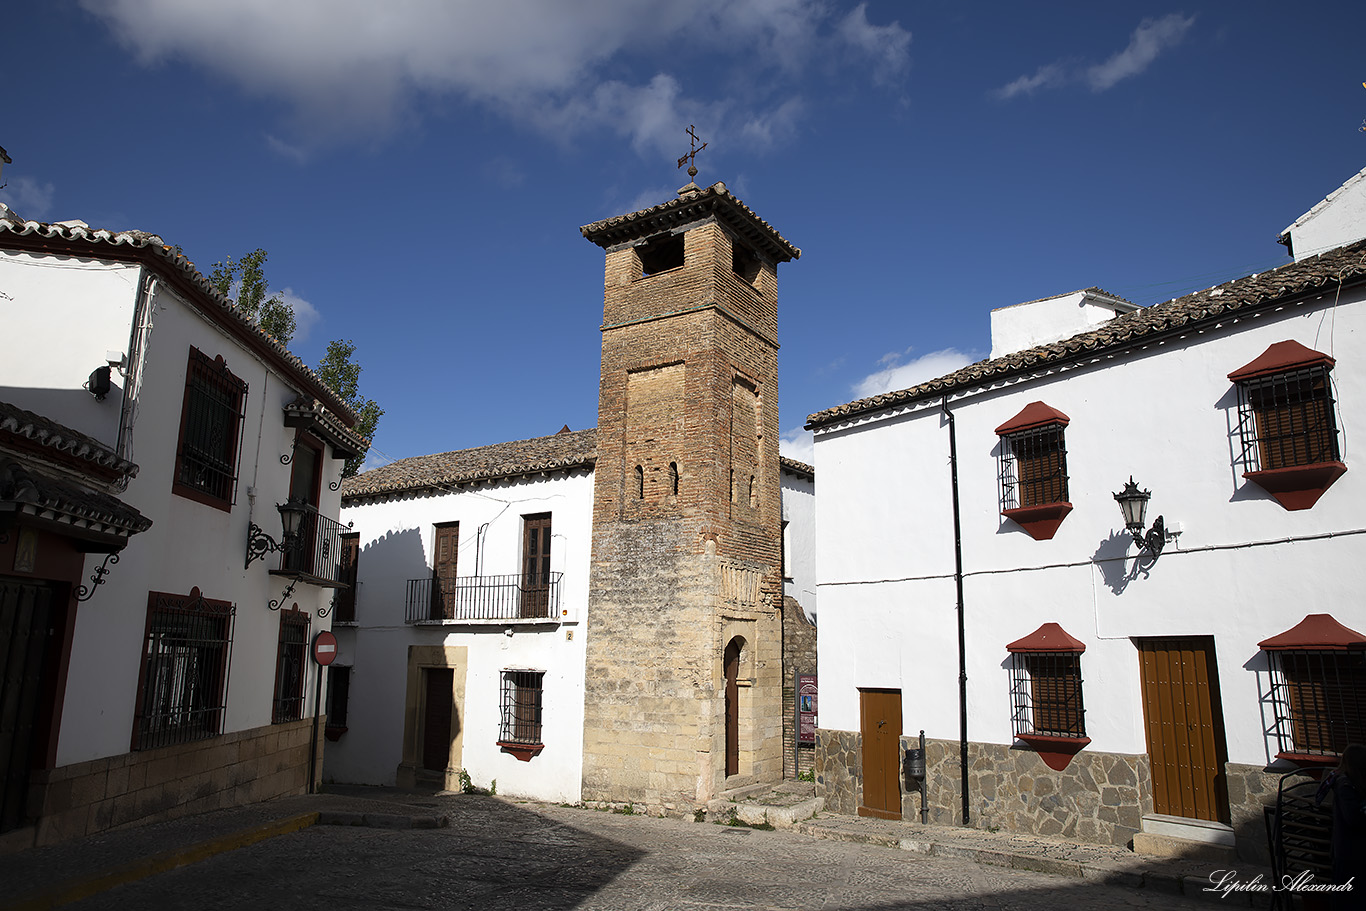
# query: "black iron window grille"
{"points": [[184, 680], [210, 424], [1045, 692], [1318, 699], [290, 662], [521, 707], [1033, 468], [1287, 420]]}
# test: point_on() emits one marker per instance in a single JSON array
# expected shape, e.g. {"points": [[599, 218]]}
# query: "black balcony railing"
{"points": [[513, 597], [316, 556]]}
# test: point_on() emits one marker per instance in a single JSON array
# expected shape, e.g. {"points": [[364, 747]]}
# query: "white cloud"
{"points": [[896, 375], [356, 69], [28, 198], [1046, 76], [306, 316], [798, 444], [1152, 37], [1149, 40], [886, 45]]}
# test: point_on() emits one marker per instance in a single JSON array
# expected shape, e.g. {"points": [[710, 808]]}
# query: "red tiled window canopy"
{"points": [[1033, 470], [1317, 672], [1316, 631], [1047, 638], [1287, 423], [1046, 697]]}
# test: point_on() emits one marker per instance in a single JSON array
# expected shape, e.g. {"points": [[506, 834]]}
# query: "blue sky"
{"points": [[418, 171]]}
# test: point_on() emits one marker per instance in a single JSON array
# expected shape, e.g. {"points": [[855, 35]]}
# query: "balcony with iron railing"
{"points": [[437, 600], [316, 554]]}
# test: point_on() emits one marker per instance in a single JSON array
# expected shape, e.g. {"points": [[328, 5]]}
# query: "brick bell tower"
{"points": [[683, 692]]}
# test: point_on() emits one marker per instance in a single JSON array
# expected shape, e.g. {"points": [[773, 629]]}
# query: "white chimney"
{"points": [[1052, 319]]}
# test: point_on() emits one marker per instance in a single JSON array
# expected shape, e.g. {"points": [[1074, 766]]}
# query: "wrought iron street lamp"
{"points": [[291, 519], [1133, 503]]}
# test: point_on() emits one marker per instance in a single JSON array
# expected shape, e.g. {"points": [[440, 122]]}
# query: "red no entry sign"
{"points": [[324, 648]]}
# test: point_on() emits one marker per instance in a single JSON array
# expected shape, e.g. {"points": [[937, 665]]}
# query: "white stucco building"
{"points": [[465, 647], [1108, 693], [180, 680]]}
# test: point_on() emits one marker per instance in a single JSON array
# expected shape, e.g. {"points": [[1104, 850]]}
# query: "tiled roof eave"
{"points": [[1285, 286], [49, 434], [694, 206], [358, 493], [144, 247]]}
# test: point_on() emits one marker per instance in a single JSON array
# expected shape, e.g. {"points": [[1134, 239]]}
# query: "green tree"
{"points": [[339, 370], [247, 277]]}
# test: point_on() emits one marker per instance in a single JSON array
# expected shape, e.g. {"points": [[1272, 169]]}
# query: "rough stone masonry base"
{"points": [[1099, 798], [154, 785]]}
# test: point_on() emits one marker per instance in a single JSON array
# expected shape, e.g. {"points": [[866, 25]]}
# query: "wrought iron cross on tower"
{"points": [[692, 168]]}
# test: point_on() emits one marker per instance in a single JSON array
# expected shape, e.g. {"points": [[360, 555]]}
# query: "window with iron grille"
{"points": [[289, 667], [1046, 694], [1287, 420], [210, 425], [521, 707], [1319, 700], [1033, 468], [183, 683]]}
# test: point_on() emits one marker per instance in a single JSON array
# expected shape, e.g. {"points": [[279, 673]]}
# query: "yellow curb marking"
{"points": [[158, 863]]}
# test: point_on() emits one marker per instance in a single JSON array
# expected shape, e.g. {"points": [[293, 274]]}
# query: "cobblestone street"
{"points": [[505, 855]]}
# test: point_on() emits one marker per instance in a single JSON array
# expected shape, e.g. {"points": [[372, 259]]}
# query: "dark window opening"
{"points": [[344, 599], [673, 477], [210, 430], [743, 262], [640, 483], [288, 704], [521, 707], [184, 679], [660, 253], [1045, 690], [338, 695]]}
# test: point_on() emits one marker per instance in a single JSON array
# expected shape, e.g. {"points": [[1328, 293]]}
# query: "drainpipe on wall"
{"points": [[962, 639]]}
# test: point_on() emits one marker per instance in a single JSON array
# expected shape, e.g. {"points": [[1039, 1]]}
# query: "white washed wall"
{"points": [[799, 541], [61, 318], [1338, 221], [189, 544], [1164, 415], [397, 539]]}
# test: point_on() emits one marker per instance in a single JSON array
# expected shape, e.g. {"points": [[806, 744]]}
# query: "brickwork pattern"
{"points": [[674, 578], [150, 786]]}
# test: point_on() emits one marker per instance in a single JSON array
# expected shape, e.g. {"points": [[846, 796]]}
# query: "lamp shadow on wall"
{"points": [[1112, 559]]}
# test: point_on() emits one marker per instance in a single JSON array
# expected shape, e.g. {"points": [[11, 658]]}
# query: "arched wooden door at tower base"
{"points": [[731, 665]]}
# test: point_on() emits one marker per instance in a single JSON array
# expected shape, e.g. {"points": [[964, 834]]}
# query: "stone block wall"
{"points": [[154, 785], [1099, 798]]}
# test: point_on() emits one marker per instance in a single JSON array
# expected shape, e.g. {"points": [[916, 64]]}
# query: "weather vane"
{"points": [[692, 168]]}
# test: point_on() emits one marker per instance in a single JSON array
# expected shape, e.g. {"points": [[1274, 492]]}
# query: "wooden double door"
{"points": [[1184, 723]]}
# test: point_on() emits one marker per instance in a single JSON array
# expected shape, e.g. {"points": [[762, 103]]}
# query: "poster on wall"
{"points": [[806, 708]]}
